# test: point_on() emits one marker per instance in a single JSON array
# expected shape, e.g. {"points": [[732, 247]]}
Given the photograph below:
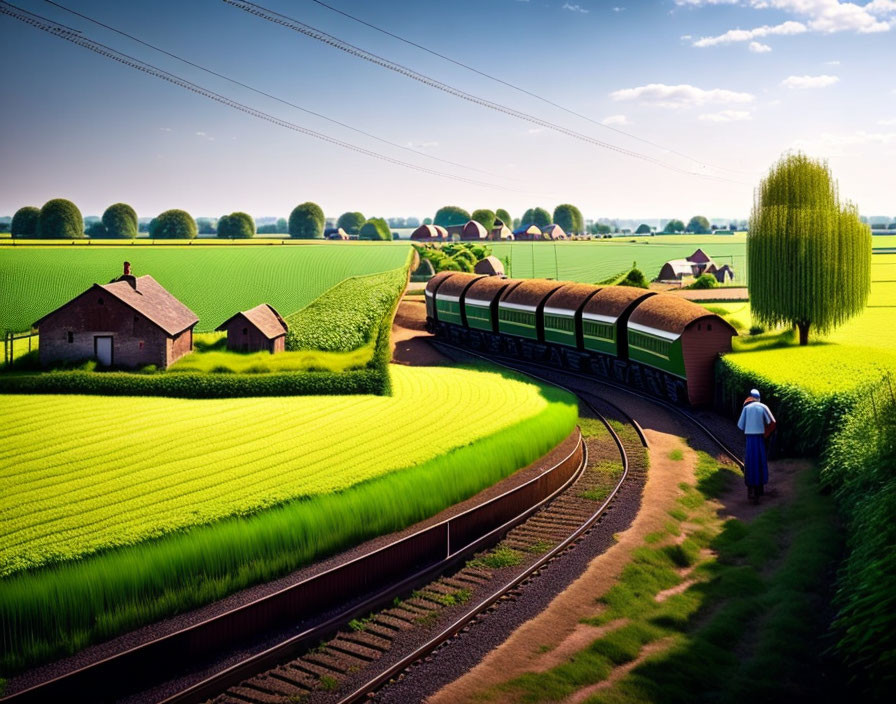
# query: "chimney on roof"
{"points": [[128, 276]]}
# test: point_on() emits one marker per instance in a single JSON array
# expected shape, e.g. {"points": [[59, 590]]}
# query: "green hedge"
{"points": [[860, 464], [805, 420], [192, 385]]}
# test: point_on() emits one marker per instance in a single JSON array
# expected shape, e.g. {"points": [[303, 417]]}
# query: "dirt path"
{"points": [[558, 627], [410, 341]]}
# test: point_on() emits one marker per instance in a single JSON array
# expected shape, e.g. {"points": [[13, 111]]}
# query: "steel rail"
{"points": [[458, 624]]}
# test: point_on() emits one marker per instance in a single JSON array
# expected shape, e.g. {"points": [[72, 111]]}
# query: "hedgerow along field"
{"points": [[215, 282], [136, 524]]}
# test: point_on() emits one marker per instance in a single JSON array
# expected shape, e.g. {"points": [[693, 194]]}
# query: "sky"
{"points": [[710, 93]]}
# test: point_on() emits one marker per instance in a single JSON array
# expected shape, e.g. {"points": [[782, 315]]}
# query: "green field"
{"points": [[108, 525], [597, 260], [215, 282]]}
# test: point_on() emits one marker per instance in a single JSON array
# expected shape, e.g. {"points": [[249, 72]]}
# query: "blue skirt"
{"points": [[756, 466]]}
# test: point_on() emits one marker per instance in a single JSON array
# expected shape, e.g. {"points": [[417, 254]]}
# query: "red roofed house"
{"points": [[260, 328], [130, 322]]}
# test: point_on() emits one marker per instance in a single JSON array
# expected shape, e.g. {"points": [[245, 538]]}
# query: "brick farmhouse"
{"points": [[130, 322], [258, 329]]}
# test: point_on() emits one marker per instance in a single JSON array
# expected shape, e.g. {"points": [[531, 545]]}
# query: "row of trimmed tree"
{"points": [[61, 219], [567, 216]]}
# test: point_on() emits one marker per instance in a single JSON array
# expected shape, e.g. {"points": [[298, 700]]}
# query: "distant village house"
{"points": [[693, 266], [130, 322]]}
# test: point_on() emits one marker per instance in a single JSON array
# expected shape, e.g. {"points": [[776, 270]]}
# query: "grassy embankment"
{"points": [[731, 611], [136, 525]]}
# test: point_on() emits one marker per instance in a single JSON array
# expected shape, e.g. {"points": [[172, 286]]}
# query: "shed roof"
{"points": [[554, 232], [671, 314], [456, 284], [611, 301], [681, 267], [530, 292], [425, 232], [265, 318], [571, 296], [434, 282], [699, 256], [474, 230], [486, 288], [490, 266], [501, 232], [442, 232], [149, 298], [530, 230]]}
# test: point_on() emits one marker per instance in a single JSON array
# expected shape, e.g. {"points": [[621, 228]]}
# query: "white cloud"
{"points": [[615, 120], [832, 63], [575, 8], [889, 122], [744, 35], [166, 129], [618, 9], [822, 81], [824, 16], [206, 136], [845, 143], [759, 48], [726, 116], [535, 130], [680, 96], [686, 37], [422, 145]]}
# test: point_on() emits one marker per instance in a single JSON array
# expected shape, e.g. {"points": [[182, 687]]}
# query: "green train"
{"points": [[654, 341]]}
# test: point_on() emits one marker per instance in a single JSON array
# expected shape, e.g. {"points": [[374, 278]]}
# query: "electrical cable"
{"points": [[267, 95], [75, 36], [312, 32], [523, 90]]}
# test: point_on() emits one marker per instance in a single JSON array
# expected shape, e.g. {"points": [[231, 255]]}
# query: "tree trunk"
{"points": [[804, 332]]}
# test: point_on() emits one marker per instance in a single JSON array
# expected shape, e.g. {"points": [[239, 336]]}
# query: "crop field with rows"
{"points": [[214, 282], [106, 526], [594, 261]]}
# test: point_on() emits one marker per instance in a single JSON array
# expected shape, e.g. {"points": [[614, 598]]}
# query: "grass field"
{"points": [[108, 525], [215, 282], [596, 260]]}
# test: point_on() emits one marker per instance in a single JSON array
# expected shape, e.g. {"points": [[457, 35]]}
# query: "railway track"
{"points": [[361, 659]]}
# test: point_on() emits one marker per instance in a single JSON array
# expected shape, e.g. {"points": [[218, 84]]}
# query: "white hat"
{"points": [[754, 393]]}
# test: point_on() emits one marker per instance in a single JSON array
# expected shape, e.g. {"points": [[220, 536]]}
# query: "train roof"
{"points": [[487, 287], [671, 314], [570, 297], [455, 285], [530, 292], [611, 301], [434, 282]]}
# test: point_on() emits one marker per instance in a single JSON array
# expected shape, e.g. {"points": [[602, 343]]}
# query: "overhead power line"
{"points": [[521, 89], [321, 36], [74, 36], [265, 94]]}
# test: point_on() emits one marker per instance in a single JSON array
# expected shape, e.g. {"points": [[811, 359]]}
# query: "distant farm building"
{"points": [[454, 232], [490, 266], [258, 329], [335, 233], [130, 322], [693, 266], [553, 232], [500, 232], [527, 232], [429, 232], [474, 230]]}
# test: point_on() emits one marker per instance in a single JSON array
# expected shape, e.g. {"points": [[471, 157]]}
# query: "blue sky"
{"points": [[730, 83]]}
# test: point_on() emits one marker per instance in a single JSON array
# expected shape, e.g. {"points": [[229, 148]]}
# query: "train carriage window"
{"points": [[517, 317], [651, 344], [557, 322], [603, 331]]}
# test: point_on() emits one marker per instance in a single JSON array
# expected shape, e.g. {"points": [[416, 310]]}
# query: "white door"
{"points": [[103, 350]]}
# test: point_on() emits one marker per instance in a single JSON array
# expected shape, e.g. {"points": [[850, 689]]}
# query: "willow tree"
{"points": [[809, 255]]}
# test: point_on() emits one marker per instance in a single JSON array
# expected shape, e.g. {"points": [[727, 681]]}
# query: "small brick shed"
{"points": [[255, 330], [131, 322]]}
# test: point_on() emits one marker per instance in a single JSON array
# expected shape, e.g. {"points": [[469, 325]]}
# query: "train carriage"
{"points": [[679, 338], [605, 313], [563, 314], [521, 308], [429, 293], [449, 297], [481, 302]]}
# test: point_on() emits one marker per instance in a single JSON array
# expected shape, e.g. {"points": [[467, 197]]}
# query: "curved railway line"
{"points": [[355, 654]]}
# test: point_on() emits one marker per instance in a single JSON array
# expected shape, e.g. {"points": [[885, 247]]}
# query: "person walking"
{"points": [[757, 423]]}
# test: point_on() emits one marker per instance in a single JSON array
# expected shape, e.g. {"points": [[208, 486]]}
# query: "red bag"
{"points": [[770, 428]]}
